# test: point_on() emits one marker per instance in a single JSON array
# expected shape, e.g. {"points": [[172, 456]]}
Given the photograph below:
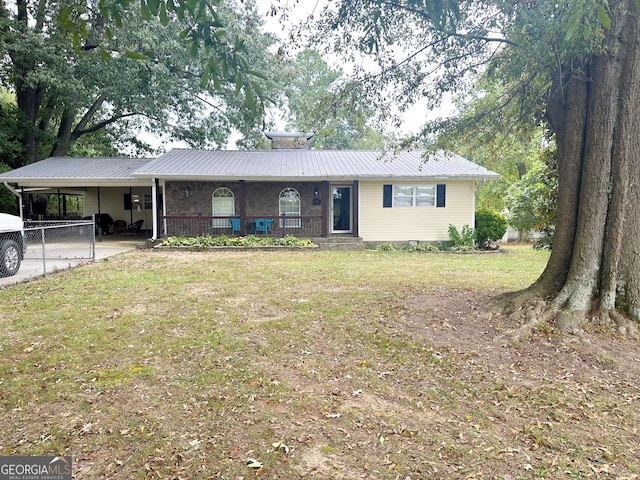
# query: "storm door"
{"points": [[341, 210]]}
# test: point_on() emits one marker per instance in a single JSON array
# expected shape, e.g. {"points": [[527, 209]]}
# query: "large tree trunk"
{"points": [[594, 269]]}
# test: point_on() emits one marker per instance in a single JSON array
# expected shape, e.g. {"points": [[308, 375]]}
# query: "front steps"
{"points": [[339, 242]]}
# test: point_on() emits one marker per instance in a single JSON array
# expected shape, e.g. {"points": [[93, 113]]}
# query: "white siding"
{"points": [[427, 224]]}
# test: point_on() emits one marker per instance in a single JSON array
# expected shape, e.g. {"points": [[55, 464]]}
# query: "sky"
{"points": [[413, 118]]}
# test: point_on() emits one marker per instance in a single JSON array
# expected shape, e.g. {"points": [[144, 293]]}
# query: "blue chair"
{"points": [[235, 225], [263, 225]]}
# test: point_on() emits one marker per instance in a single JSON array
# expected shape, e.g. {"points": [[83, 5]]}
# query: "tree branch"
{"points": [[78, 133], [426, 16], [86, 118]]}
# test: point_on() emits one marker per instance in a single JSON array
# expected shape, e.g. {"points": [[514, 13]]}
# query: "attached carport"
{"points": [[106, 185]]}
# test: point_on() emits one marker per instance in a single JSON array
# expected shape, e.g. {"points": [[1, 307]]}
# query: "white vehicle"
{"points": [[12, 244]]}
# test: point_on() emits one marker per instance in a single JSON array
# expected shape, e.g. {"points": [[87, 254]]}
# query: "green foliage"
{"points": [[387, 247], [531, 201], [420, 247], [101, 74], [462, 241], [8, 202], [321, 100], [11, 128], [248, 241], [490, 226], [424, 49], [483, 133]]}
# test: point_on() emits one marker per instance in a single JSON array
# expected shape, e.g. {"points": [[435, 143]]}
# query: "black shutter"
{"points": [[441, 195], [387, 196], [127, 201]]}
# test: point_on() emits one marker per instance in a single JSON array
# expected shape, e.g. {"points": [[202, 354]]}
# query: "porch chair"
{"points": [[235, 225], [135, 228], [263, 225], [119, 226]]}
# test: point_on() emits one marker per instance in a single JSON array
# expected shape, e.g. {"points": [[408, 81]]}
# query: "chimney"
{"points": [[289, 140]]}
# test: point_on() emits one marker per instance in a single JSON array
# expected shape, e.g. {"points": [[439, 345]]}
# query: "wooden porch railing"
{"points": [[300, 226]]}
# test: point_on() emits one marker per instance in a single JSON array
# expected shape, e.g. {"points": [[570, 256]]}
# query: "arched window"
{"points": [[222, 204], [290, 205]]}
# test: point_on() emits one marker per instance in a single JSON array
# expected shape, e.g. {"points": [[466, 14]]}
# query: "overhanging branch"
{"points": [[78, 133]]}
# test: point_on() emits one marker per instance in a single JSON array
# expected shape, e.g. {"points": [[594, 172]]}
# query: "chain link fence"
{"points": [[50, 246]]}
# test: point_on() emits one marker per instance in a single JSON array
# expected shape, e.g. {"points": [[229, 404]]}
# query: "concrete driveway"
{"points": [[109, 247], [33, 265]]}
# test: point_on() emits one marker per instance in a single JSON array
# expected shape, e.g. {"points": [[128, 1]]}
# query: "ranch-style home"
{"points": [[370, 195]]}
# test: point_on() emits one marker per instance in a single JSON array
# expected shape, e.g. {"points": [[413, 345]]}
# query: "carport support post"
{"points": [[93, 240], [44, 257], [99, 218]]}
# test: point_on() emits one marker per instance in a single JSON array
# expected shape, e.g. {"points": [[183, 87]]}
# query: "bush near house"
{"points": [[462, 241], [490, 227], [206, 241]]}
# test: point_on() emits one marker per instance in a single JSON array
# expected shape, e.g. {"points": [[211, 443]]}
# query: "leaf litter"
{"points": [[416, 387]]}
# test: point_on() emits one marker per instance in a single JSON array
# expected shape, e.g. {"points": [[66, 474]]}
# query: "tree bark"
{"points": [[594, 269]]}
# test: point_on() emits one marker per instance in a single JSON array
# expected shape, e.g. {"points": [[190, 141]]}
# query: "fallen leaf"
{"points": [[281, 446], [254, 464]]}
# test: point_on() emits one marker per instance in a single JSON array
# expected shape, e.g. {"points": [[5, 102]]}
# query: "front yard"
{"points": [[308, 364]]}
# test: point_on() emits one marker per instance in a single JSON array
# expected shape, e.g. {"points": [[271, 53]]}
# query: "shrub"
{"points": [[420, 247], [464, 241], [205, 241], [490, 227]]}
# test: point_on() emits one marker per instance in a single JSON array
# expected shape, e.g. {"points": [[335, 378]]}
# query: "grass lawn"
{"points": [[310, 364]]}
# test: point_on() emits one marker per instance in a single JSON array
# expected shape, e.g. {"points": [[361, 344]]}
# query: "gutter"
{"points": [[17, 194]]}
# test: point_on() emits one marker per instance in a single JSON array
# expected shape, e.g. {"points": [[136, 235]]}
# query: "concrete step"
{"points": [[339, 243]]}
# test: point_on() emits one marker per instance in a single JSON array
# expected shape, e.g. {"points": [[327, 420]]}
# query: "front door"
{"points": [[341, 209]]}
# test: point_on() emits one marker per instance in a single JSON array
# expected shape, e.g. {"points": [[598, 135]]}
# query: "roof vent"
{"points": [[289, 140]]}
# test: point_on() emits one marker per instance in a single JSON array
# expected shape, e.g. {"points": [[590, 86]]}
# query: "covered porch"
{"points": [[239, 208]]}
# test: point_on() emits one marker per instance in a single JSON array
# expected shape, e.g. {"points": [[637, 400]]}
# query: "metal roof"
{"points": [[257, 165], [184, 164], [78, 172]]}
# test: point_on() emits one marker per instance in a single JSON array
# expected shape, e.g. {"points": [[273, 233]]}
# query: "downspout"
{"points": [[17, 194]]}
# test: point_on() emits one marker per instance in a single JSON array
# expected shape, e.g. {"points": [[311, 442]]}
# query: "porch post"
{"points": [[356, 203], [154, 205], [242, 191], [325, 195]]}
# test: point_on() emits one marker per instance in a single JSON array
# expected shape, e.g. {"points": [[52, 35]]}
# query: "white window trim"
{"points": [[293, 222], [414, 197], [222, 222]]}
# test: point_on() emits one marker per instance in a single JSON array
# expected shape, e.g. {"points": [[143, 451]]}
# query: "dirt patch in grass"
{"points": [[456, 319], [321, 365]]}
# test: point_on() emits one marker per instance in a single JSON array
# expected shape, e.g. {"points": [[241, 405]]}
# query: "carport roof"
{"points": [[266, 165], [78, 172]]}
